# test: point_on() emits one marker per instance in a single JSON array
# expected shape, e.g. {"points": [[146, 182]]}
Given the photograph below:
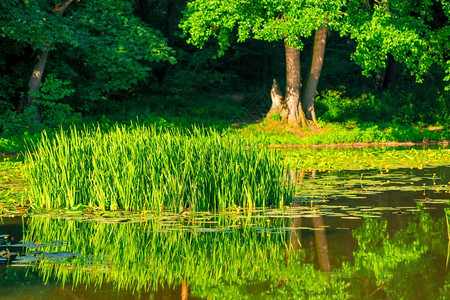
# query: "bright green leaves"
{"points": [[412, 32], [447, 78], [268, 20], [206, 19]]}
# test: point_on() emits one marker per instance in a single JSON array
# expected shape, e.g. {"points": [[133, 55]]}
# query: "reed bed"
{"points": [[149, 168]]}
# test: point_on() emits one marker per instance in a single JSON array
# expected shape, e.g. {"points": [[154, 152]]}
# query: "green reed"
{"points": [[148, 168]]}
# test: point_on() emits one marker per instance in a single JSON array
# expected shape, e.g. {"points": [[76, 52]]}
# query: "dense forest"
{"points": [[308, 62]]}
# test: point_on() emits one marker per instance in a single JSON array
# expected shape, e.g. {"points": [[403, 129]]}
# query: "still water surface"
{"points": [[349, 234]]}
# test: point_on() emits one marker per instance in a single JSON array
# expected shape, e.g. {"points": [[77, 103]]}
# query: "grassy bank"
{"points": [[128, 168], [150, 168], [275, 133]]}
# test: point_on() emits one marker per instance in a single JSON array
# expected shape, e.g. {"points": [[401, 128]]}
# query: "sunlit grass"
{"points": [[137, 167], [278, 133], [11, 185], [383, 160]]}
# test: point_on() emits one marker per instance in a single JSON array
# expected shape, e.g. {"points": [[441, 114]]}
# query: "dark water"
{"points": [[373, 239]]}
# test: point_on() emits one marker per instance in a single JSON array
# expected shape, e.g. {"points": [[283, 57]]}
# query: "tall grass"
{"points": [[148, 168]]}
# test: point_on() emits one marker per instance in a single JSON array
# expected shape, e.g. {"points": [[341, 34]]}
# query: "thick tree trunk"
{"points": [[321, 244], [278, 104], [38, 70], [292, 95], [320, 39], [289, 107]]}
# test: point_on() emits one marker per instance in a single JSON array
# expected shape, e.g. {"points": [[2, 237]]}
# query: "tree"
{"points": [[269, 20], [413, 33], [38, 70], [320, 40], [99, 44]]}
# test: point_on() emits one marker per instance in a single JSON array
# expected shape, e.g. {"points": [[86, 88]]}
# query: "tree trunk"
{"points": [[321, 244], [34, 82], [38, 70], [292, 95], [320, 39], [289, 107], [278, 104], [184, 290]]}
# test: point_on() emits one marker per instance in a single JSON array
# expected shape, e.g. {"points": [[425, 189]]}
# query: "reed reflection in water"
{"points": [[294, 255], [236, 256]]}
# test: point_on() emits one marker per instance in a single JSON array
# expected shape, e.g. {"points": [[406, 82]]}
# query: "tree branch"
{"points": [[60, 7]]}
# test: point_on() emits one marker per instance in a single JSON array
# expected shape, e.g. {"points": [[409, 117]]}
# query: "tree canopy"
{"points": [[102, 54], [100, 41], [415, 33], [269, 20]]}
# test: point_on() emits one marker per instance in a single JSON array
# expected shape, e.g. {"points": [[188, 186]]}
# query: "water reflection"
{"points": [[299, 257], [353, 184], [249, 259], [389, 244]]}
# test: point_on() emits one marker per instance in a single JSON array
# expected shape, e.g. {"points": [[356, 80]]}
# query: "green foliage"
{"points": [[447, 78], [267, 20], [276, 116], [53, 112], [100, 46], [399, 107], [48, 98], [13, 124], [415, 33], [395, 261], [161, 170], [52, 90]]}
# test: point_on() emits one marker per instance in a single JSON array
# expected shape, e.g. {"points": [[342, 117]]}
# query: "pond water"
{"points": [[349, 234]]}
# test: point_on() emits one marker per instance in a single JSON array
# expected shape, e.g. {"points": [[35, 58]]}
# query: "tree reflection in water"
{"points": [[244, 257], [248, 257]]}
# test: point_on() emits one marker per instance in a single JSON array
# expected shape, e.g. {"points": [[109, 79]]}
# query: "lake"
{"points": [[348, 234]]}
